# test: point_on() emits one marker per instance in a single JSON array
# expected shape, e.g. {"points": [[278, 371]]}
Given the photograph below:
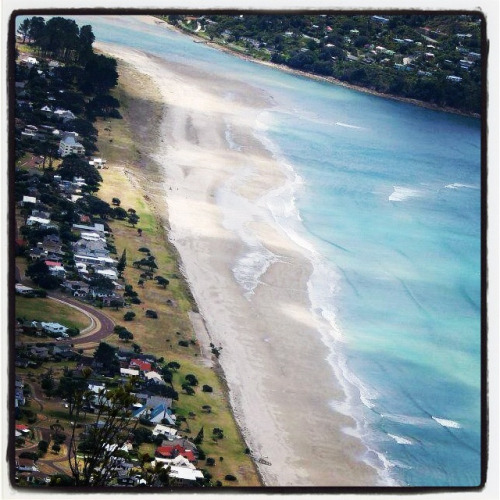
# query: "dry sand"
{"points": [[272, 356]]}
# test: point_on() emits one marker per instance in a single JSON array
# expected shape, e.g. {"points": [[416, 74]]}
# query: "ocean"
{"points": [[385, 199]]}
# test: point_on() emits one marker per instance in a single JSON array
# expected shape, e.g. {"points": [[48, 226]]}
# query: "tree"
{"points": [[163, 282], [129, 316], [188, 389], [73, 166], [125, 335], [217, 433], [174, 365], [43, 446], [87, 38], [24, 29], [114, 423], [199, 437], [191, 379], [100, 74], [133, 219], [122, 263], [56, 448], [116, 303], [95, 206], [68, 388], [116, 201], [105, 354], [48, 382]]}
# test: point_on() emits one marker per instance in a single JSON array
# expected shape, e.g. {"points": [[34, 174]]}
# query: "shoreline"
{"points": [[260, 336], [312, 76]]}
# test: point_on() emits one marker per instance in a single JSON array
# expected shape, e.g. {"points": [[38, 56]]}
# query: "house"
{"points": [[22, 429], [76, 288], [166, 431], [174, 451], [454, 79], [108, 273], [37, 220], [127, 372], [380, 19], [39, 352], [28, 199], [69, 145], [183, 476], [97, 388], [161, 412], [55, 328], [96, 228], [23, 290], [65, 114], [26, 465], [55, 268], [143, 366], [98, 163], [155, 377]]}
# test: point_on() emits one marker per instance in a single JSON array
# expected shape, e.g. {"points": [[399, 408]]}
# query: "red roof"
{"points": [[174, 451], [142, 365], [21, 427], [52, 263]]}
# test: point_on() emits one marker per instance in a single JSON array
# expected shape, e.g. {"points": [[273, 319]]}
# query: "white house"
{"points": [[29, 199], [69, 145], [184, 475], [54, 328], [165, 430], [65, 114], [37, 220], [128, 372], [154, 376]]}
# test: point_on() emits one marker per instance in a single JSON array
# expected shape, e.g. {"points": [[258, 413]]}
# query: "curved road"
{"points": [[101, 324]]}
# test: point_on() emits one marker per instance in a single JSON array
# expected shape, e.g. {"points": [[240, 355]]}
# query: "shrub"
{"points": [[73, 332], [210, 461], [151, 314], [229, 477], [129, 316], [29, 454], [207, 388], [135, 300], [183, 343]]}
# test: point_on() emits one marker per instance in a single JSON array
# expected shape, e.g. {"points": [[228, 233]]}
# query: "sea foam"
{"points": [[403, 193], [447, 423]]}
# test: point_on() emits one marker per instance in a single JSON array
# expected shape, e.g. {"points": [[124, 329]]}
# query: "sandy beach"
{"points": [[273, 360]]}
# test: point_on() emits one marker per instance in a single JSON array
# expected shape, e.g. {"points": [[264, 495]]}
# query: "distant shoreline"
{"points": [[312, 76]]}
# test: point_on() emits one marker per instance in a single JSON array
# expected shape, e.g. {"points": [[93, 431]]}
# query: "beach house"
{"points": [[69, 145]]}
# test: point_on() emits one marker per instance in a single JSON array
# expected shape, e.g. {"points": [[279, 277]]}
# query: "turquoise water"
{"points": [[388, 197]]}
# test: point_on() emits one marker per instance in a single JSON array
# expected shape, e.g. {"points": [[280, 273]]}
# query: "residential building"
{"points": [[69, 145]]}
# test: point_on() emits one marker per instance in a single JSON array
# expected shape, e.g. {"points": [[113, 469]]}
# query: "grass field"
{"points": [[49, 310]]}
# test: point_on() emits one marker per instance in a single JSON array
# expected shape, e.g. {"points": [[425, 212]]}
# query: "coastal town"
{"points": [[166, 330], [92, 406], [427, 58]]}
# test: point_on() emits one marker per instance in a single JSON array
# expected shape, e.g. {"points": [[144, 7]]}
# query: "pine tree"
{"points": [[122, 263], [199, 437]]}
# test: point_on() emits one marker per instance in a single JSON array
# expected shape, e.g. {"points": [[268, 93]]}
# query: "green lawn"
{"points": [[50, 311]]}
